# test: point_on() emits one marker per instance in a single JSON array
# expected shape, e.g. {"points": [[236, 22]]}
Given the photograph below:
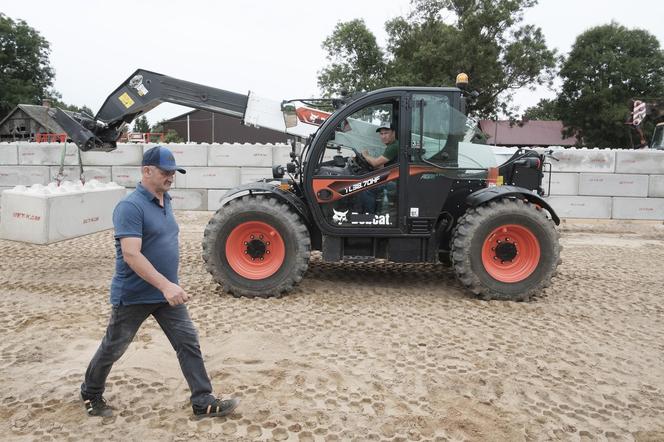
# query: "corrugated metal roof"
{"points": [[526, 133]]}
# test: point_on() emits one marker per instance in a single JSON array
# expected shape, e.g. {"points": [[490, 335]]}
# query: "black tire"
{"points": [[293, 232], [473, 234]]}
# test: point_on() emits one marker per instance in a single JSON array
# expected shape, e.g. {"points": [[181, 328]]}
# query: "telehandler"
{"points": [[441, 198]]}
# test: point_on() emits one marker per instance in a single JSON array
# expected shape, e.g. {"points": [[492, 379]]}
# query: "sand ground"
{"points": [[356, 352]]}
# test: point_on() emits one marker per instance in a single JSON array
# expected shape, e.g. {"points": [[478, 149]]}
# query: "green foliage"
{"points": [[607, 66], [85, 109], [141, 124], [172, 137], [439, 39], [543, 110], [25, 72], [356, 60], [158, 127], [55, 99]]}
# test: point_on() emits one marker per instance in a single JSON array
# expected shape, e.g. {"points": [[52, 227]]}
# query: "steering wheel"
{"points": [[361, 160]]}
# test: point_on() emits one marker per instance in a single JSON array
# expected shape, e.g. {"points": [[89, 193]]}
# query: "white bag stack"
{"points": [[45, 214]]}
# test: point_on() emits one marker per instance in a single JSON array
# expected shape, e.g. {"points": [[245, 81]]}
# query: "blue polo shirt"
{"points": [[139, 215]]}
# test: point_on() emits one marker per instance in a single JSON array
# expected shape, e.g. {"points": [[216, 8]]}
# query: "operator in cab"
{"points": [[388, 136]]}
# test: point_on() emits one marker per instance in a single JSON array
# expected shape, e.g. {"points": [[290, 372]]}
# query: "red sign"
{"points": [[27, 216]]}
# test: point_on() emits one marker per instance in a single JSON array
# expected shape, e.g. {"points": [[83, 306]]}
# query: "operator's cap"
{"points": [[162, 158], [386, 125]]}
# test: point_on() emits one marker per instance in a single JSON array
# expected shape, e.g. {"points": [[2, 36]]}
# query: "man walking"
{"points": [[146, 283]]}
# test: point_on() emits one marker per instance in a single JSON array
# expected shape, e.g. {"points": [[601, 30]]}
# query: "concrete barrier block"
{"points": [[581, 206], [281, 154], [46, 214], [640, 161], [47, 154], [1, 190], [582, 160], [73, 173], [8, 154], [214, 198], [638, 208], [126, 176], [189, 199], [252, 174], [249, 155], [613, 184], [503, 154], [656, 186], [186, 154], [561, 183], [180, 180], [209, 178], [124, 155], [24, 175]]}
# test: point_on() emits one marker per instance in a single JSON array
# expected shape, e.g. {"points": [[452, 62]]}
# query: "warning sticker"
{"points": [[126, 100]]}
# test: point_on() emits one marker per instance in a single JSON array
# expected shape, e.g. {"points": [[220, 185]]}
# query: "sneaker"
{"points": [[217, 408], [96, 405]]}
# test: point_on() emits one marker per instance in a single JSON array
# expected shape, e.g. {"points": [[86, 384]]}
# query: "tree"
{"points": [[356, 61], [25, 73], [607, 66], [55, 99], [141, 124], [543, 110], [158, 127], [439, 39], [172, 136]]}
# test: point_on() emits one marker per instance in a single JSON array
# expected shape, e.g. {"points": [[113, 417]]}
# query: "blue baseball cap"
{"points": [[162, 158]]}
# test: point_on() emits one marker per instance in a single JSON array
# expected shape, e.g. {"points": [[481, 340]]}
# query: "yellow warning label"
{"points": [[126, 100]]}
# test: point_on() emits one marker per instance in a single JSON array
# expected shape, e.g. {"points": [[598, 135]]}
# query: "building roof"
{"points": [[39, 114], [526, 133], [183, 116], [205, 126]]}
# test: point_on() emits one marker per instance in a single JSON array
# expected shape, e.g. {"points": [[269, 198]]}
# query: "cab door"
{"points": [[349, 197], [435, 129]]}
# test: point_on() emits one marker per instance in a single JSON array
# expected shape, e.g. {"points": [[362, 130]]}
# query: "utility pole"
{"points": [[495, 131]]}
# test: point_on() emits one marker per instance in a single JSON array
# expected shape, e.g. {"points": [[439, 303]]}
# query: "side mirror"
{"points": [[289, 113]]}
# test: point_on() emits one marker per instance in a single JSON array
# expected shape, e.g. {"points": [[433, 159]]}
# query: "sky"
{"points": [[272, 48]]}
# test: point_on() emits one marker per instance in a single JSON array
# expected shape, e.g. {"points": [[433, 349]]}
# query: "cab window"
{"points": [[431, 126], [358, 132], [442, 135]]}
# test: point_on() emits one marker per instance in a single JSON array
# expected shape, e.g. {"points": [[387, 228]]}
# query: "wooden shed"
{"points": [[29, 122]]}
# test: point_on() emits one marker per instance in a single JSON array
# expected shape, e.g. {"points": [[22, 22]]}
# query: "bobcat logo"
{"points": [[339, 217]]}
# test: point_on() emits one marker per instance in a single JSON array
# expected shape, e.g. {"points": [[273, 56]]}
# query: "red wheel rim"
{"points": [[510, 253], [255, 250]]}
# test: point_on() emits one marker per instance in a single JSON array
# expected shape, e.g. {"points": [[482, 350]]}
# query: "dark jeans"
{"points": [[178, 327]]}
